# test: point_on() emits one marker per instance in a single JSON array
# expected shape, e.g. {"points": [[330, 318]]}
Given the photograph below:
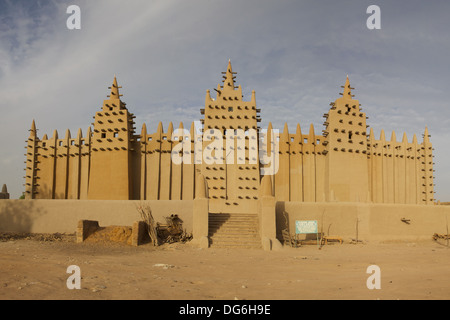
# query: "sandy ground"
{"points": [[36, 269]]}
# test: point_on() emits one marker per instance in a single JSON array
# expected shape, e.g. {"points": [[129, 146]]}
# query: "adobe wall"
{"points": [[376, 222], [51, 216]]}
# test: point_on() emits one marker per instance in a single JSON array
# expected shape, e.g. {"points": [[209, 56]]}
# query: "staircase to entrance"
{"points": [[234, 230]]}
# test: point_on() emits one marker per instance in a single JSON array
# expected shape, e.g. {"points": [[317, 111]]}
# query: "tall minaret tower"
{"points": [[428, 171], [112, 140], [232, 174], [30, 169], [346, 161]]}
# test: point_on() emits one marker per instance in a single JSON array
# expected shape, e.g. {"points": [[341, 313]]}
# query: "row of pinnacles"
{"points": [[344, 163]]}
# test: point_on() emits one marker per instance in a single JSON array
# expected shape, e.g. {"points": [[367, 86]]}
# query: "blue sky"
{"points": [[166, 54]]}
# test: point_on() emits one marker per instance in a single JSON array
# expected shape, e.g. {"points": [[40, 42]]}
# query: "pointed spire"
{"points": [[55, 134], [414, 140], [347, 89], [88, 134], [239, 92], [228, 81], [426, 136], [4, 189], [144, 130], [284, 138], [371, 135], [286, 130], [44, 137], [169, 131], [298, 134], [180, 132], [311, 131], [79, 134], [159, 130], [382, 135], [114, 90], [33, 132], [192, 131], [218, 90], [208, 96], [68, 136], [393, 137], [404, 139]]}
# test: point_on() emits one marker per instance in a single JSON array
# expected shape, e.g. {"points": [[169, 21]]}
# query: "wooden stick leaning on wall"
{"points": [[146, 215]]}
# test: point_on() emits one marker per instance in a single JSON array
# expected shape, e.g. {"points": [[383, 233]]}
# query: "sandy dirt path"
{"points": [[33, 269]]}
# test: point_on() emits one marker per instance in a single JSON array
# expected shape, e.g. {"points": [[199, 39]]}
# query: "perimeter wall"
{"points": [[373, 222], [368, 221], [51, 216]]}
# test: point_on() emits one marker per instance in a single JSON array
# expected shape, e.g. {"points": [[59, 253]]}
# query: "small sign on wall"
{"points": [[306, 226]]}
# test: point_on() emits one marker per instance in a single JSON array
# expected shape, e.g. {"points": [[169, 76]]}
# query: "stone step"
{"points": [[237, 230], [233, 215], [236, 240], [233, 224], [235, 244], [233, 227], [235, 235], [235, 220], [231, 230], [253, 220]]}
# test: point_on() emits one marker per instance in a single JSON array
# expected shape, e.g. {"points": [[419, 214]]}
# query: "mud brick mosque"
{"points": [[345, 163]]}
